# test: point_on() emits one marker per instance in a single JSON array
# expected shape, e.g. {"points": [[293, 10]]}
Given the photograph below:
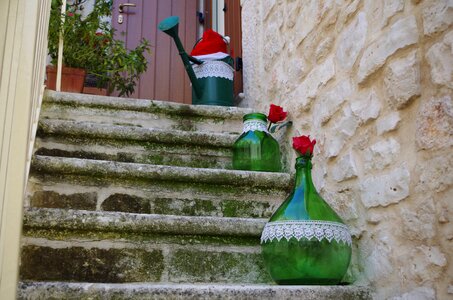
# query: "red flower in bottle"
{"points": [[304, 145], [276, 114]]}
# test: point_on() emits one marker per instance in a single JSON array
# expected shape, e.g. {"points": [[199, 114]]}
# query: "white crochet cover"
{"points": [[318, 230], [255, 125], [214, 69]]}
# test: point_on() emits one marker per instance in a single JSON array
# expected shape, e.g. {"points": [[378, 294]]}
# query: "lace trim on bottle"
{"points": [[255, 125], [214, 69], [309, 230]]}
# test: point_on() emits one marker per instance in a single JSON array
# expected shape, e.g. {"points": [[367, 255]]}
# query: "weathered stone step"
{"points": [[72, 183], [72, 245], [82, 220], [95, 168], [134, 144], [72, 290], [144, 113]]}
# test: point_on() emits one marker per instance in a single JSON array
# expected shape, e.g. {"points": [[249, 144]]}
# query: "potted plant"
{"points": [[89, 45]]}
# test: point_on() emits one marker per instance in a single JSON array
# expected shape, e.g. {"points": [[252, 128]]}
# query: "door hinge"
{"points": [[238, 63], [200, 17]]}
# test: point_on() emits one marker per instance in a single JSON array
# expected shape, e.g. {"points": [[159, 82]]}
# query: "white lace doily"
{"points": [[255, 125], [318, 230], [214, 69]]}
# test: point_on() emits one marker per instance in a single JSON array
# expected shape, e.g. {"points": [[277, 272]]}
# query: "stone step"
{"points": [[87, 246], [139, 112], [73, 290], [83, 220], [134, 144], [72, 183]]}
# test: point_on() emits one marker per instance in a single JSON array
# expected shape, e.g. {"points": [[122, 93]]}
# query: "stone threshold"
{"points": [[152, 106], [98, 168], [83, 220], [118, 132], [69, 290]]}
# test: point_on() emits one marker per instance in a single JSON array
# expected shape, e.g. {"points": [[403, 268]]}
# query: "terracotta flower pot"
{"points": [[72, 79]]}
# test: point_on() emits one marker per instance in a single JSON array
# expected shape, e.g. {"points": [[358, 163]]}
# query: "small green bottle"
{"points": [[305, 241], [256, 149]]}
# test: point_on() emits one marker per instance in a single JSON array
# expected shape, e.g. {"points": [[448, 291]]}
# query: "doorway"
{"points": [[166, 78]]}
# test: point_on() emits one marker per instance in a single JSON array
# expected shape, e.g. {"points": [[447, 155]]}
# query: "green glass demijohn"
{"points": [[256, 149], [305, 241]]}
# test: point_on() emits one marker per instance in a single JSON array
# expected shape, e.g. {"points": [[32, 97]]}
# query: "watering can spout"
{"points": [[170, 27]]}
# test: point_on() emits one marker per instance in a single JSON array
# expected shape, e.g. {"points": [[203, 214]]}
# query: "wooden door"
{"points": [[165, 78], [233, 29]]}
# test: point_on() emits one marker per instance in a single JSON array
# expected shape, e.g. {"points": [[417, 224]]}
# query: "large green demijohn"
{"points": [[305, 241], [206, 90]]}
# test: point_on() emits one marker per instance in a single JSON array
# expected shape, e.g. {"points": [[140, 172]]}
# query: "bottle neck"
{"points": [[303, 172]]}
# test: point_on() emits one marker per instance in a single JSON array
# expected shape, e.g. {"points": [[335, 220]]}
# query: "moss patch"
{"points": [[187, 207], [199, 207], [126, 203], [91, 265], [254, 209], [51, 199], [207, 266]]}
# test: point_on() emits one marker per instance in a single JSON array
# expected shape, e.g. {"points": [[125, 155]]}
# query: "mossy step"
{"points": [[82, 220], [71, 183], [134, 144], [118, 247], [173, 199], [71, 290], [139, 112], [98, 168], [118, 132]]}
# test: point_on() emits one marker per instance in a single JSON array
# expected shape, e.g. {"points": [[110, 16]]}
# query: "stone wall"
{"points": [[372, 81]]}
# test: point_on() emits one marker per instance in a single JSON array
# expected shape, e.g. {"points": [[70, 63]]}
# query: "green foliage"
{"points": [[89, 44]]}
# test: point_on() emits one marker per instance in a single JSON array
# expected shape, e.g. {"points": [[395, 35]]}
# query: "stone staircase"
{"points": [[136, 199]]}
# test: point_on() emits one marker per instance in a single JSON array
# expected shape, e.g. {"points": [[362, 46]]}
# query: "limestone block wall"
{"points": [[372, 81]]}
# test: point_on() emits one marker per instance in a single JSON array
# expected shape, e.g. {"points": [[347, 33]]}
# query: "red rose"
{"points": [[276, 114], [304, 145]]}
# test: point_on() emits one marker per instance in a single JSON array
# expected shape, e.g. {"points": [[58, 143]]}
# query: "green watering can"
{"points": [[212, 81]]}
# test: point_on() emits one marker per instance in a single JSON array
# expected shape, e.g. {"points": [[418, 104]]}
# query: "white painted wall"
{"points": [[23, 42]]}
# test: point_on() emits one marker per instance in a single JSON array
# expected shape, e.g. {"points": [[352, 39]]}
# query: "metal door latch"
{"points": [[121, 10], [122, 5]]}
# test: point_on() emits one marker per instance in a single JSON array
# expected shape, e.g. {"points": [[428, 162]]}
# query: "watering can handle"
{"points": [[195, 60]]}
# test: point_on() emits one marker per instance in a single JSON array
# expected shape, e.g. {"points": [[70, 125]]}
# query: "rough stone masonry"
{"points": [[372, 81]]}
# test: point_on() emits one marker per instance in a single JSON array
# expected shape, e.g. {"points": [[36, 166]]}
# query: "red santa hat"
{"points": [[212, 42]]}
